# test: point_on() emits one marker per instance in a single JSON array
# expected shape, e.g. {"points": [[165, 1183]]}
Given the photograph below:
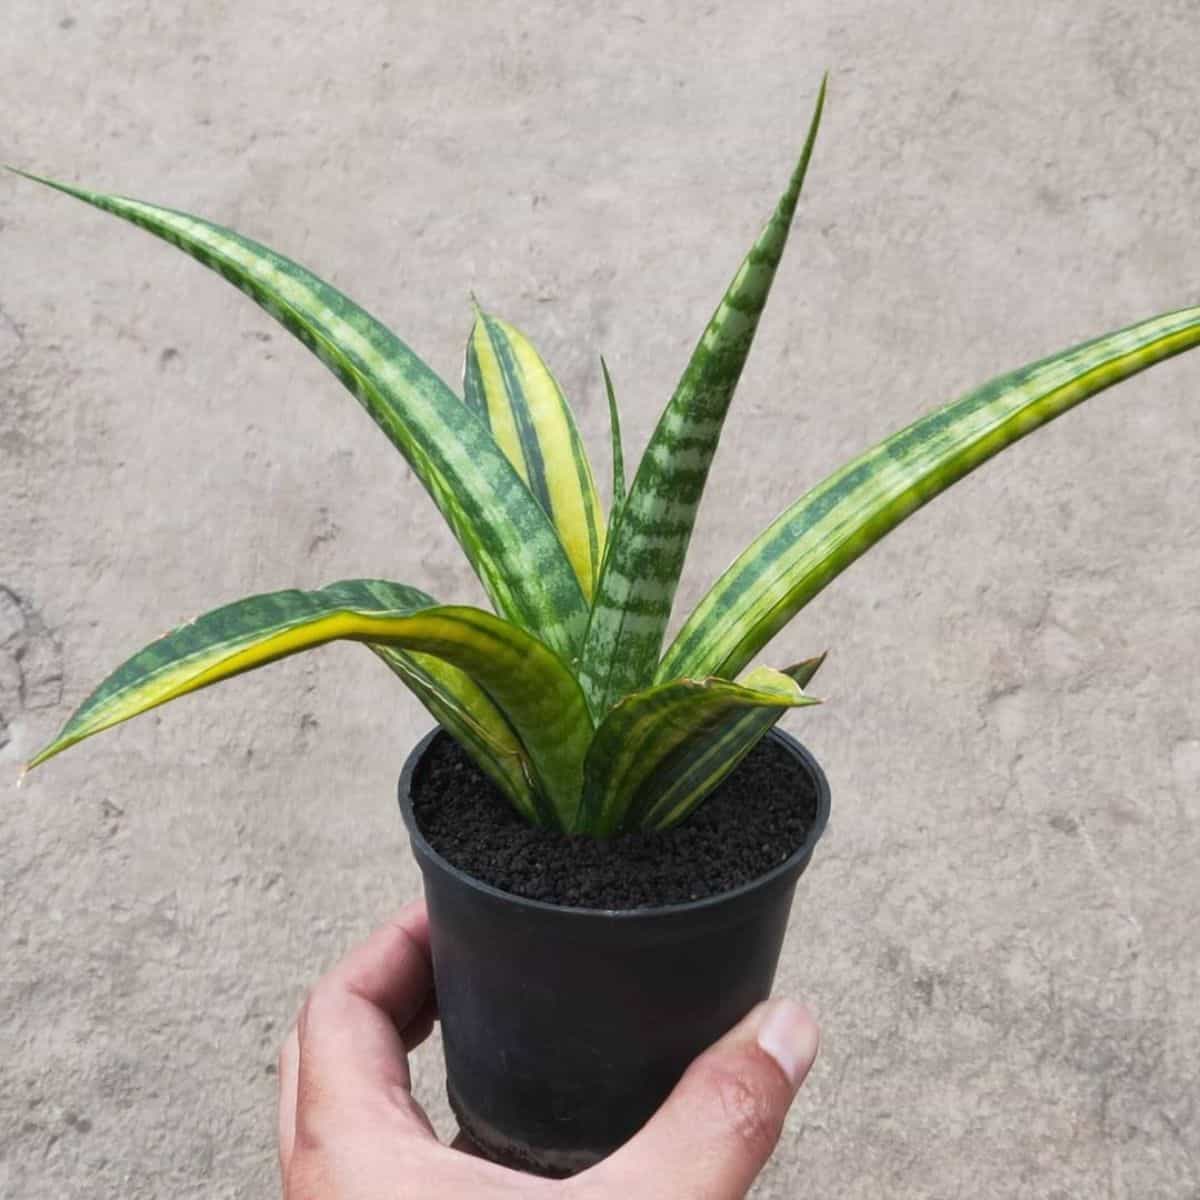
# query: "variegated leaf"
{"points": [[504, 532], [506, 382], [690, 772], [820, 535], [463, 708], [650, 729], [537, 695], [618, 452], [651, 533]]}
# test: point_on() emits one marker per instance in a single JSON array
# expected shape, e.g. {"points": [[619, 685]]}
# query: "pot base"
{"points": [[493, 1145]]}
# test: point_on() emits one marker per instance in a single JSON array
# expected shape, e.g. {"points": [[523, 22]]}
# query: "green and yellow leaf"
{"points": [[508, 385], [618, 452], [820, 535], [649, 757], [650, 535], [463, 708], [507, 536], [689, 773], [536, 694]]}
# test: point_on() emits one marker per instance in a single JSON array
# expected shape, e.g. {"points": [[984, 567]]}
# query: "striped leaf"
{"points": [[650, 537], [536, 694], [618, 453], [508, 385], [463, 708], [659, 729], [826, 530], [504, 532], [690, 772], [803, 672]]}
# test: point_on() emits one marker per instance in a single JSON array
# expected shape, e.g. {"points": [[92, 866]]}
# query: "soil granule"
{"points": [[753, 821]]}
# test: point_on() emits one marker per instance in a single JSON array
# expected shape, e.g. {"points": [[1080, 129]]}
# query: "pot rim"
{"points": [[797, 858]]}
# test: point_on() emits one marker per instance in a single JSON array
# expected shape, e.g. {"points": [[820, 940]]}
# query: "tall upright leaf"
{"points": [[820, 535], [618, 451], [651, 533], [504, 532], [537, 695], [508, 385]]}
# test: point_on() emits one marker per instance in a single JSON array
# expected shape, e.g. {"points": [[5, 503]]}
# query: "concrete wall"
{"points": [[1000, 932]]}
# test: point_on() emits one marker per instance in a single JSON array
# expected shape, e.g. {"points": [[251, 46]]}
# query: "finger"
{"points": [[289, 1066], [421, 1026], [380, 972], [352, 1053], [718, 1127]]}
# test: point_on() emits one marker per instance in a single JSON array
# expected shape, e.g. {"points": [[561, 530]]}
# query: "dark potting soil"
{"points": [[753, 821]]}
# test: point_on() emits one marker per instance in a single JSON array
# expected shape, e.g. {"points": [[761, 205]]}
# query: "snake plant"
{"points": [[565, 695]]}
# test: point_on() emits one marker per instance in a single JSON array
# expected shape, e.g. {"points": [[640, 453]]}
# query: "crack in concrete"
{"points": [[31, 659], [12, 339]]}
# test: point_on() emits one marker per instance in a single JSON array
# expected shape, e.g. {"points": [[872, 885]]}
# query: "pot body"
{"points": [[565, 1028]]}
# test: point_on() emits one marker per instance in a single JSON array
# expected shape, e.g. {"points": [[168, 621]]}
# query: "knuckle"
{"points": [[747, 1105]]}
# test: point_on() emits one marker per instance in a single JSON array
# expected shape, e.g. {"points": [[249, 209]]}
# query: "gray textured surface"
{"points": [[1000, 932]]}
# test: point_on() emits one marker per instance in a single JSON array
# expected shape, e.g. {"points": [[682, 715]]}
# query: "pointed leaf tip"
{"points": [[649, 541], [618, 453], [803, 672]]}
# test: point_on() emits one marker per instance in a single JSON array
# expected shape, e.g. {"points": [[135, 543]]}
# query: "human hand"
{"points": [[349, 1128]]}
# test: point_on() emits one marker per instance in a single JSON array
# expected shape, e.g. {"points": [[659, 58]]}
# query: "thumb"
{"points": [[718, 1127]]}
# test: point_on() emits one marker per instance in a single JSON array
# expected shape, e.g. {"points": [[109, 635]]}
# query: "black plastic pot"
{"points": [[565, 1028]]}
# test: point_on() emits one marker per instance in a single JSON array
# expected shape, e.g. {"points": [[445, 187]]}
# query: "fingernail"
{"points": [[790, 1036]]}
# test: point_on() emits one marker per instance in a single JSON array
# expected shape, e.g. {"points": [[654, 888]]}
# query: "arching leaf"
{"points": [[504, 532], [537, 695], [820, 535]]}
